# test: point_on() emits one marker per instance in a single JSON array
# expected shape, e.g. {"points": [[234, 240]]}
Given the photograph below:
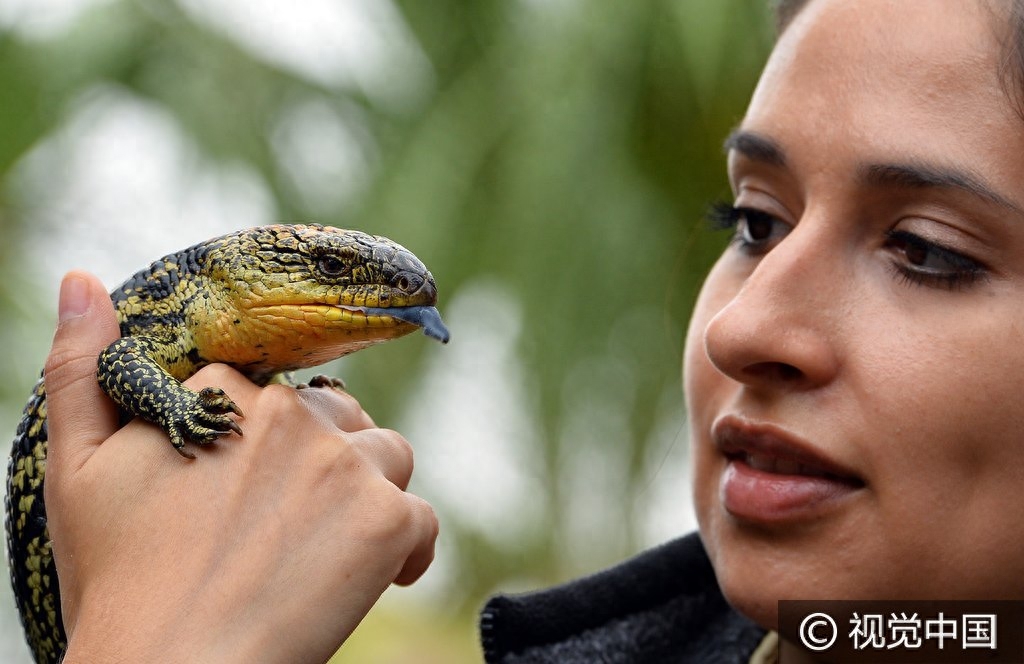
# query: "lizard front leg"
{"points": [[129, 372]]}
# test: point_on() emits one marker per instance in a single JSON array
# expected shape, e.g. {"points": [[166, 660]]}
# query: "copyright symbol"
{"points": [[818, 631]]}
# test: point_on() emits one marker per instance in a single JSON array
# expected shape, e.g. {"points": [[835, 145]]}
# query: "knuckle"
{"points": [[351, 406], [213, 375], [404, 514], [400, 447], [348, 401], [64, 367], [280, 401], [387, 450], [394, 517], [430, 525], [348, 412]]}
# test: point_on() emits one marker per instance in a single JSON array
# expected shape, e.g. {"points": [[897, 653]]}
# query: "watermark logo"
{"points": [[902, 631], [818, 632]]}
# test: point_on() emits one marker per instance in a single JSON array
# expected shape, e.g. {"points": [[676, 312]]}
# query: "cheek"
{"points": [[950, 393], [947, 424], [699, 375], [704, 387], [696, 365], [940, 429]]}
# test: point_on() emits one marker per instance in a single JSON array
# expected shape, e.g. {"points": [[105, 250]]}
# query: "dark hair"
{"points": [[1011, 67], [785, 11]]}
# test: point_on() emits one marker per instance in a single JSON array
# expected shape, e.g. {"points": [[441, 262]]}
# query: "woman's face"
{"points": [[855, 364]]}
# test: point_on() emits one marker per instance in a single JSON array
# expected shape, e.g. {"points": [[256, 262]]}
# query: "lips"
{"points": [[772, 476]]}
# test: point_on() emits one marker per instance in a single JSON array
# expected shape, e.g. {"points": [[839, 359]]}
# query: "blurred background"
{"points": [[550, 161]]}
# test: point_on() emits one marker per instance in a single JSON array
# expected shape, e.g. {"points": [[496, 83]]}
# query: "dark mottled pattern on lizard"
{"points": [[266, 301]]}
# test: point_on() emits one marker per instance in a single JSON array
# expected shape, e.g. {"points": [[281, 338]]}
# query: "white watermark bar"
{"points": [[938, 632]]}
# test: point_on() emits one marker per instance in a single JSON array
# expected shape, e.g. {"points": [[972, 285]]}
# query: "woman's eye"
{"points": [[926, 263], [754, 231]]}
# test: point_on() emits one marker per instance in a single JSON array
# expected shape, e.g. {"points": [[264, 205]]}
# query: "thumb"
{"points": [[79, 415]]}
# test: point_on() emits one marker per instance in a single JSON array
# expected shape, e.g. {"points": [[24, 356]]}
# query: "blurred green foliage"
{"points": [[565, 149]]}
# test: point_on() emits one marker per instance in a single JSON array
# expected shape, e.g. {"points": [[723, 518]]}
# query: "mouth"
{"points": [[772, 476], [426, 317]]}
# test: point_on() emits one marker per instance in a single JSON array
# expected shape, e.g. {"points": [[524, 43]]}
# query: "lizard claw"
{"points": [[178, 442], [215, 400], [320, 380], [201, 418]]}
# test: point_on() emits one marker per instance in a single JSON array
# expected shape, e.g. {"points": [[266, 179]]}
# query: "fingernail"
{"points": [[74, 298]]}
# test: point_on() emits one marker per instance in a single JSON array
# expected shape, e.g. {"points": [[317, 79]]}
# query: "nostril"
{"points": [[788, 372], [774, 370], [407, 282]]}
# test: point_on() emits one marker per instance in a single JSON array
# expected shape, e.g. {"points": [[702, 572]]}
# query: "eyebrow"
{"points": [[755, 146], [912, 175], [922, 176]]}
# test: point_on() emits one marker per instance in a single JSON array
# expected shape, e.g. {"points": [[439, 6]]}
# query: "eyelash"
{"points": [[960, 271], [723, 216], [963, 271]]}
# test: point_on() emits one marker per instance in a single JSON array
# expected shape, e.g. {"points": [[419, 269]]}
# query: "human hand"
{"points": [[270, 547]]}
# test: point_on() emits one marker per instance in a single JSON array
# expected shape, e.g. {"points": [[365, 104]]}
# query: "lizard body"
{"points": [[267, 301]]}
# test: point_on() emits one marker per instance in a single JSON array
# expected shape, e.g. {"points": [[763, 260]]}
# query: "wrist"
{"points": [[120, 637]]}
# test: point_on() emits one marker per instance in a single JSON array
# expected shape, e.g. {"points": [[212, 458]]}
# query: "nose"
{"points": [[779, 330]]}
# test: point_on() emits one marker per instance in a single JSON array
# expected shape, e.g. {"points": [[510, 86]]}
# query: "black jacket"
{"points": [[661, 607]]}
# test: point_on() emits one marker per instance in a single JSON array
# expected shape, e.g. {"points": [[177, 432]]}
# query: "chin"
{"points": [[757, 606], [756, 568], [750, 583]]}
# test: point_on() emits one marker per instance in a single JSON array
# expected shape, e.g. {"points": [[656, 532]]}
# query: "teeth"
{"points": [[771, 464], [787, 467], [760, 462]]}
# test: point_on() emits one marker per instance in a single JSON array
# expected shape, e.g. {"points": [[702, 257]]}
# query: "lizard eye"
{"points": [[332, 266]]}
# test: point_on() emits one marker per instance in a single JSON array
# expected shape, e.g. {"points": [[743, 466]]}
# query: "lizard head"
{"points": [[306, 294]]}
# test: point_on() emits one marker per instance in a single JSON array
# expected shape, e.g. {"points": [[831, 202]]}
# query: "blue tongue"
{"points": [[426, 317]]}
